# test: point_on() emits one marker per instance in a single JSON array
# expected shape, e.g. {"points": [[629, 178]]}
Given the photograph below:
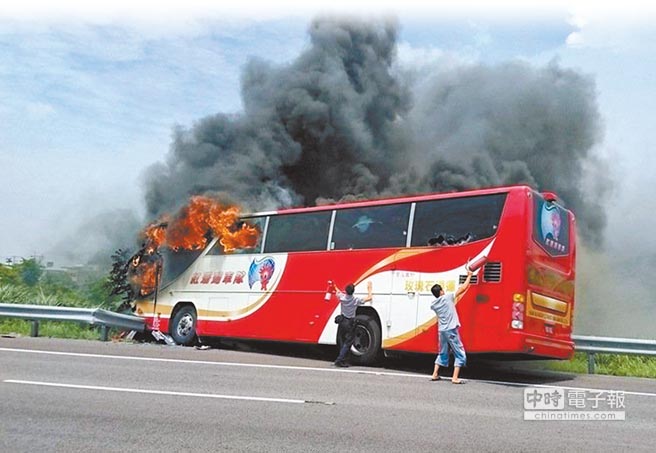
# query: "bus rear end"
{"points": [[547, 309], [523, 299]]}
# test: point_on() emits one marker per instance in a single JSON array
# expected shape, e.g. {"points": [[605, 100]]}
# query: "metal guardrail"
{"points": [[606, 345], [591, 345], [92, 316]]}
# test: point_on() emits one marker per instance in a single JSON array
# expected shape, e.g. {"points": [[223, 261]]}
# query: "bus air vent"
{"points": [[492, 272], [473, 280]]}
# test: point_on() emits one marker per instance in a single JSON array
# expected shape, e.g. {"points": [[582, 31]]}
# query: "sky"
{"points": [[90, 96]]}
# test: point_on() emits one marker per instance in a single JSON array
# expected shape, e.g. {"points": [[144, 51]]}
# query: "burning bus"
{"points": [[264, 276]]}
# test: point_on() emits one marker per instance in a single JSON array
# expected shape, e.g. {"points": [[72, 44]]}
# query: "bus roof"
{"points": [[393, 200]]}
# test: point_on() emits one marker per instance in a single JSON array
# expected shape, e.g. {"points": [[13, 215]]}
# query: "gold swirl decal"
{"points": [[394, 341], [147, 308], [234, 313], [397, 256]]}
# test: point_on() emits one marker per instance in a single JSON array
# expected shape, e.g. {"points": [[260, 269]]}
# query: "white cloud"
{"points": [[575, 39], [610, 26]]}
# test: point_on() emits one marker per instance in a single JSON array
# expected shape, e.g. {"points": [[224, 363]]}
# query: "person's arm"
{"points": [[463, 288], [370, 294]]}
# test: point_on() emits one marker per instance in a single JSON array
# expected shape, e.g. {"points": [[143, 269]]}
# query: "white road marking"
{"points": [[161, 392], [590, 389], [300, 368]]}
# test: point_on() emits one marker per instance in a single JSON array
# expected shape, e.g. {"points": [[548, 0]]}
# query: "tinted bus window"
{"points": [[551, 227], [217, 249], [175, 263], [298, 232], [371, 227], [456, 220]]}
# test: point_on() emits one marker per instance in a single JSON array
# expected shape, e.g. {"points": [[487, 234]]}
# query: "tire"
{"points": [[366, 345], [183, 326]]}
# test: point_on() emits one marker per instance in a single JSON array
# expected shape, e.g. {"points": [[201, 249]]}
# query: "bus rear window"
{"points": [[550, 226], [298, 232], [456, 220]]}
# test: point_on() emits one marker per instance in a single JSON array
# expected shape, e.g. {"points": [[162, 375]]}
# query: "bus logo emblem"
{"points": [[261, 271]]}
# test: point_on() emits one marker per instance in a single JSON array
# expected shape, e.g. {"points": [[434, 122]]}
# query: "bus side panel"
{"points": [[413, 279], [486, 307], [297, 309]]}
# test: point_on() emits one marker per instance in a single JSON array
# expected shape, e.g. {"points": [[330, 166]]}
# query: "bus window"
{"points": [[298, 232], [371, 227], [217, 249], [456, 220]]}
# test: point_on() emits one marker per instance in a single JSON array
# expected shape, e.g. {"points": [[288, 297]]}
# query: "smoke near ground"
{"points": [[96, 238], [344, 120], [615, 293]]}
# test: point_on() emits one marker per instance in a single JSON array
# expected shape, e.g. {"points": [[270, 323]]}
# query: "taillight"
{"points": [[517, 311]]}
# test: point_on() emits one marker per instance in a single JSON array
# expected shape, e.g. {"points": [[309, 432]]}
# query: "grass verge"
{"points": [[611, 364], [53, 329]]}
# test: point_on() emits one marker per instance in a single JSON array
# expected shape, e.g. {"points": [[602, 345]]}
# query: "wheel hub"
{"points": [[185, 325], [362, 341]]}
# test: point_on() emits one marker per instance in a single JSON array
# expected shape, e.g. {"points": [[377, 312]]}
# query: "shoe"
{"points": [[459, 381], [341, 364], [436, 379]]}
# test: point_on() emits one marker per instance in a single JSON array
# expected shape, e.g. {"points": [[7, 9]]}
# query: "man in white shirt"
{"points": [[448, 324]]}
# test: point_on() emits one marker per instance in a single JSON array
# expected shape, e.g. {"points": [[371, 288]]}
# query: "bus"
{"points": [[520, 303]]}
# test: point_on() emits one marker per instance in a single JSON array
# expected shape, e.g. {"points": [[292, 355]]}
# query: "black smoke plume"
{"points": [[345, 120]]}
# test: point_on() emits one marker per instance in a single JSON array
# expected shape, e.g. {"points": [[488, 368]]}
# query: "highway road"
{"points": [[71, 395]]}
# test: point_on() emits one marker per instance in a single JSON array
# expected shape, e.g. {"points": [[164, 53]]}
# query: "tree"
{"points": [[30, 272], [118, 279]]}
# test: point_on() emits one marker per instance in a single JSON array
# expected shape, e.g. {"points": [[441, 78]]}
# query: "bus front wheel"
{"points": [[366, 345], [183, 326]]}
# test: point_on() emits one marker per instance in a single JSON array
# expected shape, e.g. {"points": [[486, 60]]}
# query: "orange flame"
{"points": [[156, 234], [190, 229], [197, 222]]}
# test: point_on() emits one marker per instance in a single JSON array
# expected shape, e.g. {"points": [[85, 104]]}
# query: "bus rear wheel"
{"points": [[183, 326], [366, 345]]}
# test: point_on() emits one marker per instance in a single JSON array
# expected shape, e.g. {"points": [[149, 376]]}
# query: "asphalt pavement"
{"points": [[72, 395]]}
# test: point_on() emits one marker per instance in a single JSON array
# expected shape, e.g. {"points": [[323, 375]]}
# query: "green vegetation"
{"points": [[30, 283], [612, 364], [12, 326]]}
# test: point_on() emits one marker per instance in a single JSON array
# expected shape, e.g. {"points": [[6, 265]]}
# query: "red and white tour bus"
{"points": [[520, 303]]}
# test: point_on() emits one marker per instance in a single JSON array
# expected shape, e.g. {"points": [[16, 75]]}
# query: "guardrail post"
{"points": [[34, 331], [591, 363], [104, 333]]}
